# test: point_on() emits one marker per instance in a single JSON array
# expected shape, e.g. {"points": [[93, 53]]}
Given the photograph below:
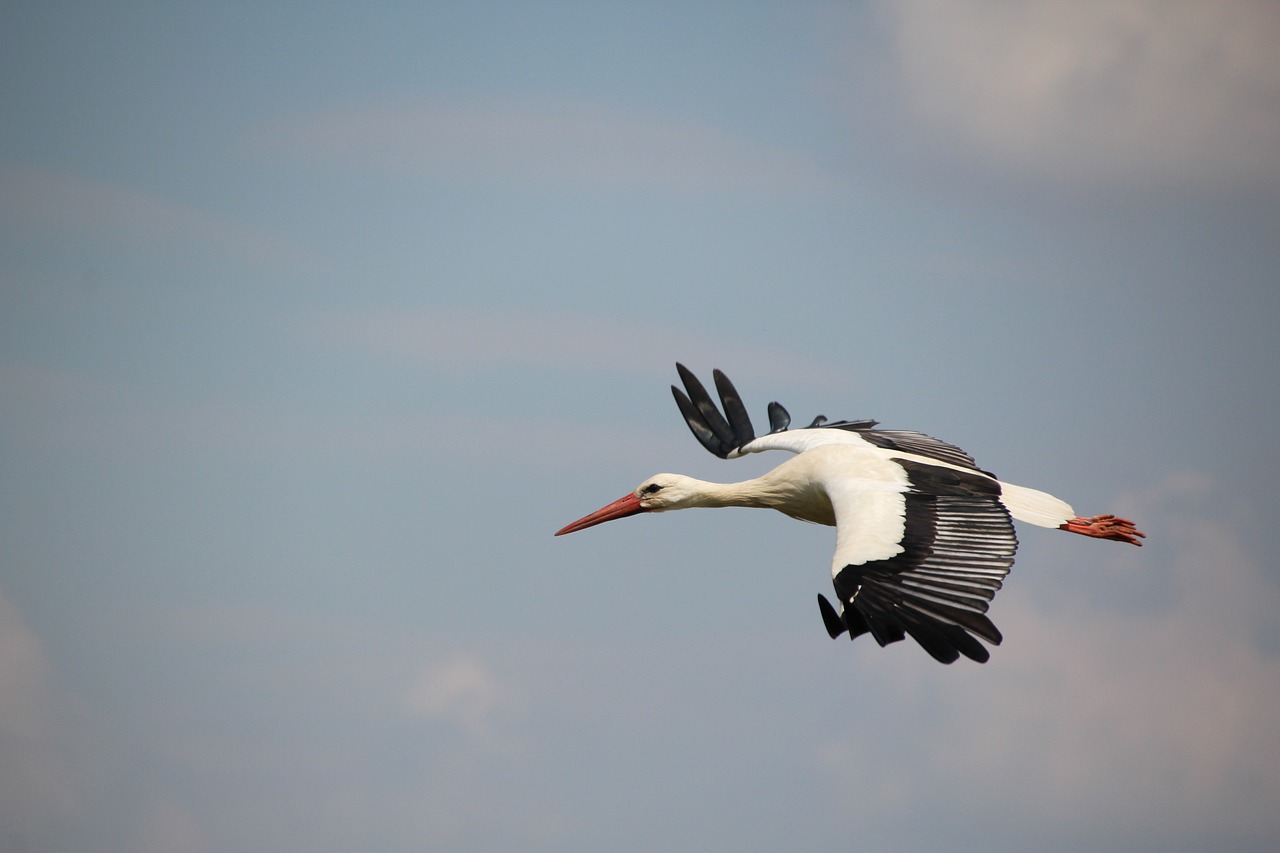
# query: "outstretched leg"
{"points": [[1105, 527]]}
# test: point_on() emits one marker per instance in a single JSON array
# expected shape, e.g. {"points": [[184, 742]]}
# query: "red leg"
{"points": [[1105, 527]]}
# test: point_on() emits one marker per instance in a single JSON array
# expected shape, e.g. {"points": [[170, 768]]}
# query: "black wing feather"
{"points": [[918, 443], [697, 424], [739, 420], [707, 413], [779, 418], [722, 434]]}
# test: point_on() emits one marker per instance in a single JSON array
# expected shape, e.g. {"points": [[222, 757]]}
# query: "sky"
{"points": [[317, 320]]}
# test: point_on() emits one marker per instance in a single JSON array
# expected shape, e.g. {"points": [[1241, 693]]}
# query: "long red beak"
{"points": [[621, 508]]}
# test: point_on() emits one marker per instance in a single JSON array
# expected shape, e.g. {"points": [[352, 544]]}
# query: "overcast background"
{"points": [[317, 320]]}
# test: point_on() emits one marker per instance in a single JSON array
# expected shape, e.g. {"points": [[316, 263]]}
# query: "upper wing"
{"points": [[922, 562], [907, 441], [731, 434]]}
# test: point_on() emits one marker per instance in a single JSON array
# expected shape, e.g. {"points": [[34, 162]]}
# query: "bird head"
{"points": [[656, 494]]}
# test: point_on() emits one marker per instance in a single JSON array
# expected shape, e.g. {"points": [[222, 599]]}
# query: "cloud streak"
{"points": [[456, 339], [542, 143], [38, 202]]}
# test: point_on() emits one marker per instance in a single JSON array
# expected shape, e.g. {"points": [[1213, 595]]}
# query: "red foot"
{"points": [[1105, 527]]}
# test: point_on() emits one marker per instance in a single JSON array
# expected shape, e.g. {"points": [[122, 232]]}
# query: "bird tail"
{"points": [[1035, 507]]}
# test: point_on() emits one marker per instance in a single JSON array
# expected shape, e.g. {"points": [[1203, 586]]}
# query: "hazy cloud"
{"points": [[456, 339], [463, 690], [40, 788], [1145, 90], [168, 826], [37, 202], [55, 412]]}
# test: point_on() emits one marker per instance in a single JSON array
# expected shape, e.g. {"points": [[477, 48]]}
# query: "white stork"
{"points": [[923, 537]]}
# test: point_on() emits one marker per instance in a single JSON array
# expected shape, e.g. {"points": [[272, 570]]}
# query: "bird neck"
{"points": [[758, 492]]}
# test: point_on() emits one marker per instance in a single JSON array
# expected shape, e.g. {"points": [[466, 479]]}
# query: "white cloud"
{"points": [[539, 143], [1157, 723], [463, 690], [1147, 90]]}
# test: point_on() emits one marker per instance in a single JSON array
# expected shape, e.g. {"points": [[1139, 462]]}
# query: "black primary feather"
{"points": [[739, 420], [697, 424], [708, 415], [830, 618], [779, 418]]}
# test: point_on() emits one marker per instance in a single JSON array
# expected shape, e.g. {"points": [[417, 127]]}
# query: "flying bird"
{"points": [[924, 538]]}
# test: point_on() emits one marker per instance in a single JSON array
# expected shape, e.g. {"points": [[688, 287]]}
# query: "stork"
{"points": [[924, 538]]}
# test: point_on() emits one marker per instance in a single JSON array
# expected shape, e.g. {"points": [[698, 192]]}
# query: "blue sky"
{"points": [[317, 320]]}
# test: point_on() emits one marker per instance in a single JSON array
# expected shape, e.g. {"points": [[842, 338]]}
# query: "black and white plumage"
{"points": [[924, 538]]}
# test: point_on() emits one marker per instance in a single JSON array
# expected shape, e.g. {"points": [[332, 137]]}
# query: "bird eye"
{"points": [[652, 488]]}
